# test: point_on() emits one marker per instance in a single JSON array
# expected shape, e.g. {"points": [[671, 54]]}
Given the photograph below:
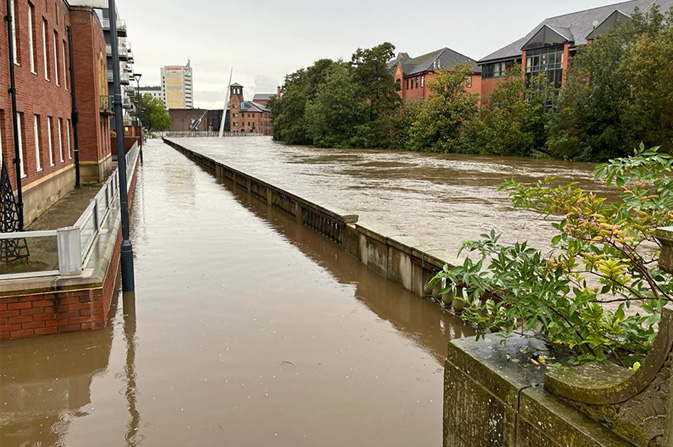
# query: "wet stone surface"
{"points": [[245, 329]]}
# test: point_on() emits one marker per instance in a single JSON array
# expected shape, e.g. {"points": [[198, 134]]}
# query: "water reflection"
{"points": [[46, 387], [133, 425]]}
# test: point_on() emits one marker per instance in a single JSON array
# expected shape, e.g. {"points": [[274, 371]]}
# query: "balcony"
{"points": [[123, 78], [121, 26], [123, 51]]}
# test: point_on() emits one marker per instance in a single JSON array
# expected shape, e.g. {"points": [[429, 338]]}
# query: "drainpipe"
{"points": [[75, 112], [12, 91]]}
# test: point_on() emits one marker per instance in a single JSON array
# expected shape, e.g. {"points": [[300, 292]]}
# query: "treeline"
{"points": [[618, 92]]}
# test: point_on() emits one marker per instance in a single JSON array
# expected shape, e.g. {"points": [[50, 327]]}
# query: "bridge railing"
{"points": [[71, 245], [209, 134]]}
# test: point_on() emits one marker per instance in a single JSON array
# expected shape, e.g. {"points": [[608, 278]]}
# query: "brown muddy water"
{"points": [[439, 199], [246, 329]]}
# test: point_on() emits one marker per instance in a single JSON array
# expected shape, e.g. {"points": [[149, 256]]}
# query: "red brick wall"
{"points": [[36, 95], [89, 51], [49, 313]]}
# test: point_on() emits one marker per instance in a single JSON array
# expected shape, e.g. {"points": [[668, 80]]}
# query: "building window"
{"points": [[468, 83], [45, 50], [19, 122], [31, 37], [67, 136], [422, 81], [416, 82], [56, 58], [548, 60], [60, 139], [65, 67], [50, 143], [12, 11], [497, 70], [36, 132]]}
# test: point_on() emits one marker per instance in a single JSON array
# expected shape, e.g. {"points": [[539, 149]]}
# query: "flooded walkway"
{"points": [[439, 199], [246, 329]]}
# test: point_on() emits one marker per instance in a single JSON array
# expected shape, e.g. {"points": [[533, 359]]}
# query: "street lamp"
{"points": [[137, 77]]}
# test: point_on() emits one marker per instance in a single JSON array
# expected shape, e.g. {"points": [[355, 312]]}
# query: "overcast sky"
{"points": [[263, 40]]}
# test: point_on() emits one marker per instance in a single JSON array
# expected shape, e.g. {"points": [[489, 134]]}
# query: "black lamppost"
{"points": [[128, 280], [137, 77]]}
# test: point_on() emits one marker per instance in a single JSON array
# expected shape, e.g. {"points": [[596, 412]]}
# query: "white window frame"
{"points": [[45, 50], [31, 41], [56, 59], [67, 136], [65, 69], [20, 135], [36, 131], [60, 139], [50, 123], [12, 10]]}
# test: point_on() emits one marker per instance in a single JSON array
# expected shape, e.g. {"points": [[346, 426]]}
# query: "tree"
{"points": [[333, 116], [371, 73], [444, 114], [611, 101], [150, 111], [604, 254], [513, 120]]}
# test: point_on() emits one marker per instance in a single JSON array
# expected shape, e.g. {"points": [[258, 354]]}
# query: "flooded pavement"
{"points": [[245, 329], [439, 199]]}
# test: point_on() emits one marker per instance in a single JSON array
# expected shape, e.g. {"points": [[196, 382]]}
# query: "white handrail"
{"points": [[72, 253]]}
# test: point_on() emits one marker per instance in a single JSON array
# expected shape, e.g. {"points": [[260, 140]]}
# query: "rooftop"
{"points": [[442, 59]]}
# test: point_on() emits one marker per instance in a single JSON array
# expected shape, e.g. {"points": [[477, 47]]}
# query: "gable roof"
{"points": [[577, 26], [253, 107], [442, 59], [263, 96]]}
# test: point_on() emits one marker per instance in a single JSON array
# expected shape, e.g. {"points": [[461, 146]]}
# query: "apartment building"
{"points": [[414, 74], [549, 46], [177, 88], [39, 156]]}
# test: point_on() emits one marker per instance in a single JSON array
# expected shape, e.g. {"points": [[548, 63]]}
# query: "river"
{"points": [[245, 329], [439, 199]]}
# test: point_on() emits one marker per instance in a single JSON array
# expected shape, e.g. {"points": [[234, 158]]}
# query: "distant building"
{"points": [[550, 45], [413, 74], [177, 89], [248, 116], [263, 98], [154, 91], [195, 120]]}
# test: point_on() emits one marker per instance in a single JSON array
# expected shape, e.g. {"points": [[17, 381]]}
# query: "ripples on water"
{"points": [[439, 199]]}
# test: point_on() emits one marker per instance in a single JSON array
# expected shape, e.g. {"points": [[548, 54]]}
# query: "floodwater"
{"points": [[246, 329], [439, 199]]}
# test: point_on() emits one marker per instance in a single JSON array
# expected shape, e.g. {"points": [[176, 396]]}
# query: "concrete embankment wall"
{"points": [[390, 253]]}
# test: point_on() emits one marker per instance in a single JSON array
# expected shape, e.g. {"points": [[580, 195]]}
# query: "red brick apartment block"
{"points": [[42, 68], [414, 75]]}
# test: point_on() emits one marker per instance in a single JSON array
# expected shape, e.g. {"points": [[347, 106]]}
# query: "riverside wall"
{"points": [[390, 253]]}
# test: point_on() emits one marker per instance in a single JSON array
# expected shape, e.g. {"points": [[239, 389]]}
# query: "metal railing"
{"points": [[74, 243], [199, 134]]}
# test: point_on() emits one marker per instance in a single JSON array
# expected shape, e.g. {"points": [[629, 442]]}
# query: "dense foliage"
{"points": [[152, 113], [618, 92], [599, 293]]}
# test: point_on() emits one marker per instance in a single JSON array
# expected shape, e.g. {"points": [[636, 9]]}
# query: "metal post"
{"points": [[75, 112], [12, 91], [139, 124], [128, 280]]}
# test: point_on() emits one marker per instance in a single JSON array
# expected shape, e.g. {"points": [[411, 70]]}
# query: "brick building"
{"points": [[248, 116], [413, 74], [550, 45], [41, 62]]}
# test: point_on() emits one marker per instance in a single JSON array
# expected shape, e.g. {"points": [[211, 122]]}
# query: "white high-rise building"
{"points": [[177, 86]]}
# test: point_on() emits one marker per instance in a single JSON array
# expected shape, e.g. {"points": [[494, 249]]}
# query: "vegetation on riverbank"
{"points": [[618, 92], [603, 262]]}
